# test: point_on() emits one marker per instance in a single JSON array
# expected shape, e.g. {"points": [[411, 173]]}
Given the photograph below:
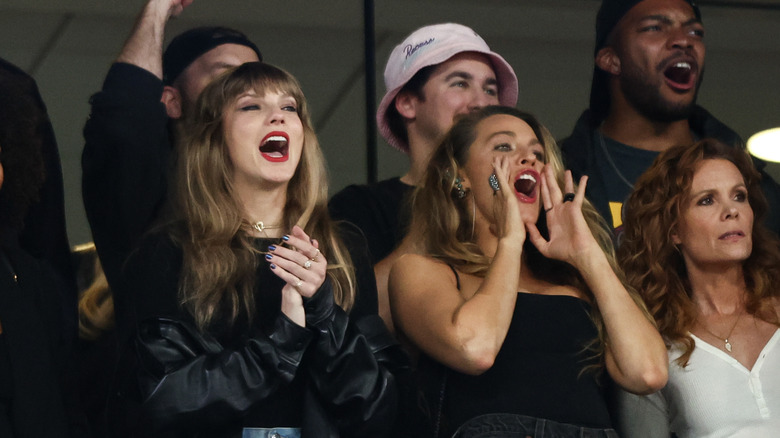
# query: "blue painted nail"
{"points": [[268, 256], [273, 266], [285, 238], [271, 248]]}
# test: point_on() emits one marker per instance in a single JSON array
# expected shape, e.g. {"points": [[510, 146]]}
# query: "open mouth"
{"points": [[274, 147], [525, 185], [680, 75]]}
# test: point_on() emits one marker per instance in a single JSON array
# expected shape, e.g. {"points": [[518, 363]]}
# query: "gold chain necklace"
{"points": [[726, 339], [261, 227]]}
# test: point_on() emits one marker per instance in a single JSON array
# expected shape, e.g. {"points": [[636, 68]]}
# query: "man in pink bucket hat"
{"points": [[436, 74]]}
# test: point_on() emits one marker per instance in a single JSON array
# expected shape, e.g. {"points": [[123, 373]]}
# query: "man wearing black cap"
{"points": [[649, 64], [126, 155]]}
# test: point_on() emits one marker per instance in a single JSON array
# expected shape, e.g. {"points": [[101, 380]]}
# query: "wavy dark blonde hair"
{"points": [[654, 265], [96, 302], [442, 222], [219, 258]]}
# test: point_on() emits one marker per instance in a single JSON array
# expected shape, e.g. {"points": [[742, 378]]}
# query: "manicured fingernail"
{"points": [[285, 238], [271, 248], [273, 266], [268, 256]]}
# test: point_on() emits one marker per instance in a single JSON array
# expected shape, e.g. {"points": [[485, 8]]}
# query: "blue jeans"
{"points": [[271, 432], [521, 426]]}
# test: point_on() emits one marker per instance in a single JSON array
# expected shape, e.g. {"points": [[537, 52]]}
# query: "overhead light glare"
{"points": [[765, 145]]}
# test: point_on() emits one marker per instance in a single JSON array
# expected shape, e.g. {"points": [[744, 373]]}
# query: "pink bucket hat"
{"points": [[432, 45]]}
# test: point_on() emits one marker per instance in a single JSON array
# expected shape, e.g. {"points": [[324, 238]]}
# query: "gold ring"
{"points": [[317, 254], [307, 265]]}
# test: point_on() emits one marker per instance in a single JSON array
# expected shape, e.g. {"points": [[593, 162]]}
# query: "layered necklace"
{"points": [[261, 227]]}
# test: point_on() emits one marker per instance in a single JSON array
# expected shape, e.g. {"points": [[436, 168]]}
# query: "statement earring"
{"points": [[493, 181], [459, 190]]}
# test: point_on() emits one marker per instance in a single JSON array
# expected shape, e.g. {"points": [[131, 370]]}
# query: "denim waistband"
{"points": [[522, 426], [271, 432]]}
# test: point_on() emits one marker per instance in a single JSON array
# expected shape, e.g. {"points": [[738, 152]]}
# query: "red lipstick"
{"points": [[274, 146]]}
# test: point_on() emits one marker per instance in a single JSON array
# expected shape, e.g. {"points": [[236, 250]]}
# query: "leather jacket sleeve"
{"points": [[185, 377], [353, 368], [183, 374]]}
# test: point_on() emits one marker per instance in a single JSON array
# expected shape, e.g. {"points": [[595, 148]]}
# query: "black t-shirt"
{"points": [[618, 167], [379, 210]]}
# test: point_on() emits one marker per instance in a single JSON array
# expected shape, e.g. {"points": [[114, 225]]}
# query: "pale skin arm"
{"points": [[465, 334], [636, 356], [144, 46], [382, 274], [288, 264]]}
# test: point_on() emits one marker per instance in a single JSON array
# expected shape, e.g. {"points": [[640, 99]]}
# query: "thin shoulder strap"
{"points": [[457, 277]]}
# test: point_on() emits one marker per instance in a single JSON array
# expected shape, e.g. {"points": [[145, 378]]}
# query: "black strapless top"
{"points": [[540, 370]]}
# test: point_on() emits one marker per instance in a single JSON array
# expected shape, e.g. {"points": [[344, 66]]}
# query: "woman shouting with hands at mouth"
{"points": [[512, 296], [255, 316]]}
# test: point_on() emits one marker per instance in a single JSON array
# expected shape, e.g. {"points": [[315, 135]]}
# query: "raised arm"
{"points": [[144, 46], [635, 352], [461, 329], [127, 147]]}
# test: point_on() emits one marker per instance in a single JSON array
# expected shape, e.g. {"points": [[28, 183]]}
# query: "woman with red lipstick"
{"points": [[696, 248], [512, 297], [255, 316]]}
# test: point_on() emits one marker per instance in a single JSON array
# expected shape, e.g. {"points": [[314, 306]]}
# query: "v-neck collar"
{"points": [[717, 352]]}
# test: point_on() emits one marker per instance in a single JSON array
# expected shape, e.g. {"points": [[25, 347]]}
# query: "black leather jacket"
{"points": [[184, 383]]}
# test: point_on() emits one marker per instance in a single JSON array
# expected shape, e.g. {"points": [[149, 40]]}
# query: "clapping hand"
{"points": [[302, 267]]}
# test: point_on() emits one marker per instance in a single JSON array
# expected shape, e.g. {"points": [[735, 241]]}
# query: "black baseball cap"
{"points": [[189, 45]]}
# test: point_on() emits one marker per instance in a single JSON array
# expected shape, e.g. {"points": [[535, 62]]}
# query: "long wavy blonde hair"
{"points": [[219, 258], [655, 266], [442, 221], [96, 302]]}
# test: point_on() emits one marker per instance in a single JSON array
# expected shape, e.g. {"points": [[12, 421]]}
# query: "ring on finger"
{"points": [[568, 197], [307, 264], [316, 254], [298, 284]]}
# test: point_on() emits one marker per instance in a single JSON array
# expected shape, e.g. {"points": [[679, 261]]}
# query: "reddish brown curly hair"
{"points": [[655, 267]]}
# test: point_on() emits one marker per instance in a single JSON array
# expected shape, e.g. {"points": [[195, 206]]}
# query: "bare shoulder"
{"points": [[411, 262], [419, 271]]}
